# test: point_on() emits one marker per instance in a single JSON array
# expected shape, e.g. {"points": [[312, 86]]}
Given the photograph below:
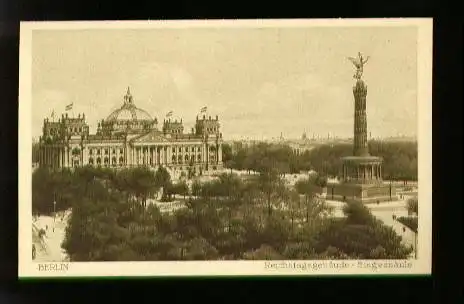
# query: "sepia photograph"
{"points": [[232, 147]]}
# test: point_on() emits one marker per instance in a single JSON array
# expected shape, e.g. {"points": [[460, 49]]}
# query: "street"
{"points": [[49, 246]]}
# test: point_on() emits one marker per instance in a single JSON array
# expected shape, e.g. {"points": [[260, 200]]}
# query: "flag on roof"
{"points": [[69, 106], [203, 109], [169, 114]]}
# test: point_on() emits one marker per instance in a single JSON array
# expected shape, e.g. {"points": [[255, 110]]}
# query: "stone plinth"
{"points": [[359, 192]]}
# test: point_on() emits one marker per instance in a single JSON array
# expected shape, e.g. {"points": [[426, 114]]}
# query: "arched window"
{"points": [[180, 159], [91, 161], [121, 160], [106, 161], [186, 158], [99, 161], [113, 161], [199, 157], [174, 158]]}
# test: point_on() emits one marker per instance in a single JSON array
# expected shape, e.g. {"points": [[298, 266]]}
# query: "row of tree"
{"points": [[227, 218], [66, 186], [399, 158]]}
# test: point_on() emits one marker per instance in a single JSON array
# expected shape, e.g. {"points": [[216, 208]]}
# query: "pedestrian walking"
{"points": [[33, 251]]}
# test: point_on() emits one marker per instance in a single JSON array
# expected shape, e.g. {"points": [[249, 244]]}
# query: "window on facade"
{"points": [[106, 160], [121, 151], [98, 160], [186, 158], [114, 151], [174, 158], [90, 152], [113, 161], [180, 159], [199, 149], [91, 161], [106, 151], [199, 157], [98, 152], [174, 150]]}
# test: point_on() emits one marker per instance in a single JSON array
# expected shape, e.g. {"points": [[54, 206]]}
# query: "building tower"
{"points": [[360, 147], [361, 174]]}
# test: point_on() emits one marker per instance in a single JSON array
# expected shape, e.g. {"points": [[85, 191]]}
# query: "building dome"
{"points": [[127, 119], [129, 111]]}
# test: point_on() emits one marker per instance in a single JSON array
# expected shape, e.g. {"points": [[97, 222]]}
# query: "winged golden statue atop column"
{"points": [[359, 64]]}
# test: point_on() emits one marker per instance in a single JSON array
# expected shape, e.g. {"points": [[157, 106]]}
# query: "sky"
{"points": [[261, 82]]}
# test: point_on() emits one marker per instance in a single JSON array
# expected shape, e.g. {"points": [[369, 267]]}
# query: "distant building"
{"points": [[130, 137]]}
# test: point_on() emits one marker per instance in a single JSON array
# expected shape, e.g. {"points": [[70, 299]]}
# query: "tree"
{"points": [[270, 183], [49, 186], [227, 156], [265, 252], [358, 214], [163, 180], [181, 188], [309, 188], [196, 188], [142, 183], [200, 249], [361, 236], [413, 205]]}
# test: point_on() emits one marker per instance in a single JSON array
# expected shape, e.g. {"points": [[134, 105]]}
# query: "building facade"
{"points": [[130, 137]]}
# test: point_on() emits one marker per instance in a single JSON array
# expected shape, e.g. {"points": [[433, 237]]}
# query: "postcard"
{"points": [[225, 148]]}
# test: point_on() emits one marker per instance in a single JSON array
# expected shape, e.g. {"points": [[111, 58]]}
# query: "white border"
{"points": [[27, 268]]}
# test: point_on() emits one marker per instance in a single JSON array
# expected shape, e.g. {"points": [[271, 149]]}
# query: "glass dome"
{"points": [[129, 111]]}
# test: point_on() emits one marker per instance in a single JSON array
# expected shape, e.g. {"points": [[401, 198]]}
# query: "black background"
{"points": [[447, 161]]}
